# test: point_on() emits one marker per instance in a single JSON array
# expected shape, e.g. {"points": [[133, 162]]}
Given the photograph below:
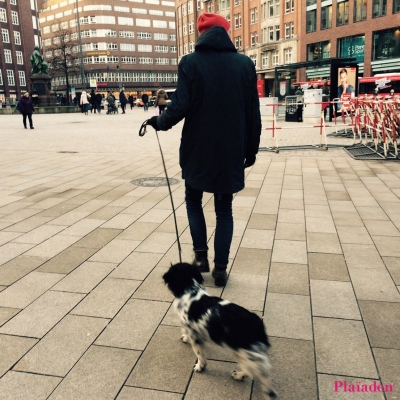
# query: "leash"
{"points": [[142, 132]]}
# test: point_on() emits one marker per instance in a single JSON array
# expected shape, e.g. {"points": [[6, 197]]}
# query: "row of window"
{"points": [[10, 77], [112, 21], [271, 59], [379, 9], [109, 33], [121, 77], [65, 3], [6, 36], [128, 60], [142, 48], [105, 7], [8, 57], [14, 16]]}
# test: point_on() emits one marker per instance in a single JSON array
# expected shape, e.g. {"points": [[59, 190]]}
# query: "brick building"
{"points": [[366, 30], [19, 36], [130, 44]]}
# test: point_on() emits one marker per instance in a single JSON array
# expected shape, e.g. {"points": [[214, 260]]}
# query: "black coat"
{"points": [[217, 96], [25, 105], [122, 98]]}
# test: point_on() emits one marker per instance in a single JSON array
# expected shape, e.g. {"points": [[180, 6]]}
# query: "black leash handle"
{"points": [[142, 132]]}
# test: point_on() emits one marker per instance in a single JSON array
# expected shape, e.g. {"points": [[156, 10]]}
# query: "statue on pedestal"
{"points": [[39, 66]]}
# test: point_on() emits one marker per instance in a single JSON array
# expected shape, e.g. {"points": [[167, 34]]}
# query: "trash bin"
{"points": [[291, 109]]}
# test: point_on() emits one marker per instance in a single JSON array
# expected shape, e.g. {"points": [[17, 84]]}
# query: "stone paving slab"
{"points": [[84, 313]]}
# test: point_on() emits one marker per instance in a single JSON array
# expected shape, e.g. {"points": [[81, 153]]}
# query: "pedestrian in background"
{"points": [[93, 101], [145, 99], [85, 97], [130, 99], [161, 100], [217, 142], [98, 99], [25, 106], [122, 100]]}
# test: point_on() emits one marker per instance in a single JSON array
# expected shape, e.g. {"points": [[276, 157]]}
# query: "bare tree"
{"points": [[64, 59]]}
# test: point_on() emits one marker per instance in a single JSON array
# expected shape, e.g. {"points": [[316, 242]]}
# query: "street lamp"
{"points": [[80, 47]]}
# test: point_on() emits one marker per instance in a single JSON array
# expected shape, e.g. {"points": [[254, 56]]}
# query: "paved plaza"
{"points": [[84, 313]]}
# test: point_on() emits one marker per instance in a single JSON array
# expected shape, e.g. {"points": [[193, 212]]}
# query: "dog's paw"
{"points": [[199, 367], [185, 339], [237, 375]]}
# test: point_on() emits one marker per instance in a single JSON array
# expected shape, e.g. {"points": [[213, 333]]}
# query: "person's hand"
{"points": [[153, 122], [250, 160]]}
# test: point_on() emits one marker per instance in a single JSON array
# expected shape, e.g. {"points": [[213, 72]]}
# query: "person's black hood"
{"points": [[215, 39]]}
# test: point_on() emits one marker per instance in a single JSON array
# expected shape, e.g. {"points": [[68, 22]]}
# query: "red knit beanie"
{"points": [[207, 21]]}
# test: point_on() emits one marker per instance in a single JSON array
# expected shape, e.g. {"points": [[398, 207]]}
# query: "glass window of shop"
{"points": [[318, 51], [396, 6], [326, 17], [352, 46], [386, 44], [311, 18], [342, 13], [379, 8], [360, 10]]}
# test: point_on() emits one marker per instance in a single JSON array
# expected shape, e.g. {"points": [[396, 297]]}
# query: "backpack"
{"points": [[19, 105]]}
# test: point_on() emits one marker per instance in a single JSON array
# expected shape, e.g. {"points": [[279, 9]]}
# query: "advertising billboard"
{"points": [[346, 85]]}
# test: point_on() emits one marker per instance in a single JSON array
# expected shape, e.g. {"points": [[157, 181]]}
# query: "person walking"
{"points": [[122, 100], [85, 97], [145, 99], [25, 106], [130, 99], [93, 101], [217, 143], [161, 100], [98, 99]]}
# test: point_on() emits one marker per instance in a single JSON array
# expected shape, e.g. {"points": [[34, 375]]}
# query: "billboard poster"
{"points": [[347, 83]]}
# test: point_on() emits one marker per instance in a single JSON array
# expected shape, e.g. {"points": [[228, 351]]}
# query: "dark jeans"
{"points": [[123, 105], [30, 119], [161, 108], [197, 223]]}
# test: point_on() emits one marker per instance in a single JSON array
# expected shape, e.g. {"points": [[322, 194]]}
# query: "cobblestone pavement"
{"points": [[83, 310]]}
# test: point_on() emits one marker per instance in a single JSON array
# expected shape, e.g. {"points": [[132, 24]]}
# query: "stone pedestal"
{"points": [[41, 94]]}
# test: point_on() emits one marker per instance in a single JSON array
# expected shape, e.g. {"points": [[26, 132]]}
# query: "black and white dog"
{"points": [[205, 319]]}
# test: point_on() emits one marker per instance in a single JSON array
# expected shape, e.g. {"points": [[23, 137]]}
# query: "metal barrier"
{"points": [[377, 117]]}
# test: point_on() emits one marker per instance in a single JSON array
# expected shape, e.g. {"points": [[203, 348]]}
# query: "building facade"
{"points": [[264, 30], [19, 36], [124, 43], [369, 31]]}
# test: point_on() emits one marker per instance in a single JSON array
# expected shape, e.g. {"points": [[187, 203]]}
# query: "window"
{"points": [[172, 49], [22, 80], [238, 20], [172, 37], [264, 60], [352, 46], [342, 13], [156, 12], [144, 35], [253, 15], [191, 26], [378, 8], [127, 47], [289, 30], [275, 58], [1, 78], [253, 58], [112, 46], [159, 24], [287, 53], [184, 29], [317, 51], [289, 6], [127, 34], [238, 42], [396, 6], [20, 58], [171, 25], [160, 36], [277, 32], [360, 10], [5, 35], [384, 44], [326, 17], [14, 18], [311, 21], [127, 21], [161, 49], [191, 47], [3, 15], [122, 9], [253, 38], [270, 8], [189, 6], [148, 48], [277, 8], [7, 56], [139, 11], [17, 37], [270, 33], [128, 60], [14, 2], [10, 77]]}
